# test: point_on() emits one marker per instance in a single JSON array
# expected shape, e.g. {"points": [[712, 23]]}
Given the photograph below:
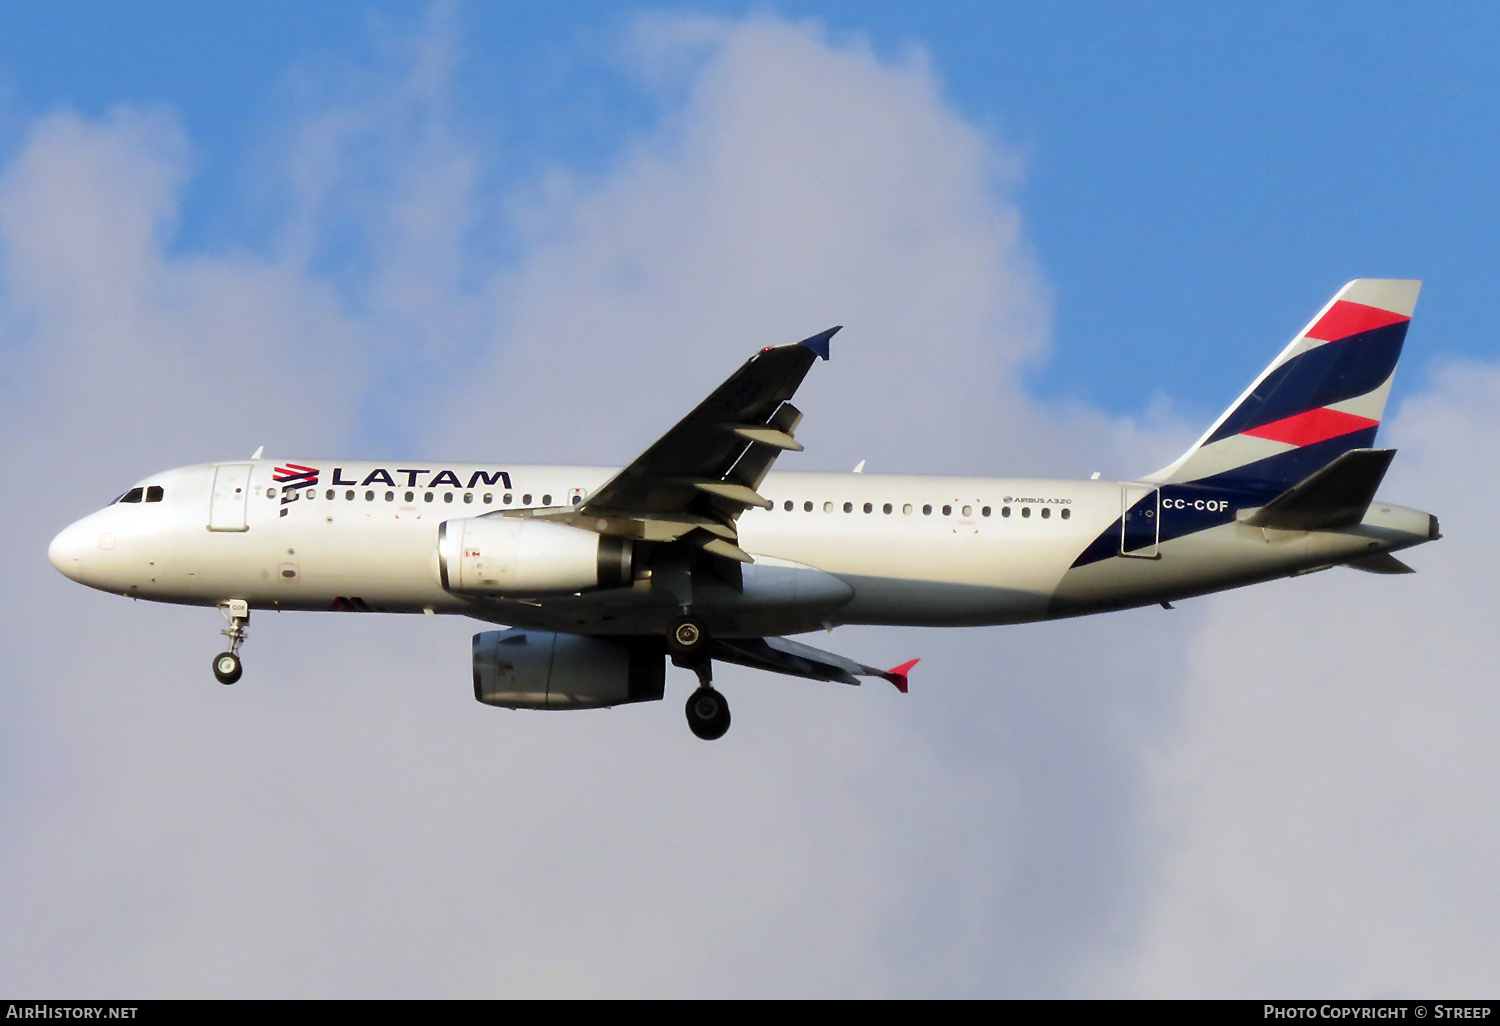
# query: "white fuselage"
{"points": [[903, 549]]}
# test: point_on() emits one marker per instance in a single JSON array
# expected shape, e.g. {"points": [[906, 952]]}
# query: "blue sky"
{"points": [[1196, 179], [1061, 236]]}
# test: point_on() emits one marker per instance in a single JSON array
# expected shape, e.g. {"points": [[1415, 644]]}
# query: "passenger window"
{"points": [[546, 500], [447, 496], [886, 507], [788, 505], [468, 496], [927, 511], [154, 493], [807, 506], [349, 495], [488, 498], [507, 498], [968, 511], [330, 494], [869, 508], [390, 496], [985, 511], [578, 500], [526, 499], [134, 495], [270, 493], [426, 496], [947, 511], [906, 509], [1065, 512], [848, 507], [370, 496], [827, 507], [312, 493], [411, 496], [1046, 512], [1025, 511]]}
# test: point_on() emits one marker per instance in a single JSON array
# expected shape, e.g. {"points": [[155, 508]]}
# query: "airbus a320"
{"points": [[696, 553]]}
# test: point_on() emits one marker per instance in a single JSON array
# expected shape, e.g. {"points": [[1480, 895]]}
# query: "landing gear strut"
{"points": [[707, 710], [227, 665]]}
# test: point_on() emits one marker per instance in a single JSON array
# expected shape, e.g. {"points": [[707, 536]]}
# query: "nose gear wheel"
{"points": [[227, 667]]}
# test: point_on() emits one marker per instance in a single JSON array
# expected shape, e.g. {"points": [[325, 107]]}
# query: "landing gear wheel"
{"points": [[687, 638], [227, 667], [707, 714]]}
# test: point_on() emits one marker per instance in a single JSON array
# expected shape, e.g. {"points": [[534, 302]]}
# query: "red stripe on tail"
{"points": [[1348, 318], [1313, 426]]}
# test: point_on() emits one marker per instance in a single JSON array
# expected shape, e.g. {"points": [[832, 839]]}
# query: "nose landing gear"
{"points": [[227, 665]]}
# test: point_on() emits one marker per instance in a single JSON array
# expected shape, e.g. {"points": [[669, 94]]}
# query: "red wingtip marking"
{"points": [[900, 672], [1348, 318]]}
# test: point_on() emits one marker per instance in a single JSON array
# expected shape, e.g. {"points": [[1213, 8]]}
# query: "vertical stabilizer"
{"points": [[1323, 396]]}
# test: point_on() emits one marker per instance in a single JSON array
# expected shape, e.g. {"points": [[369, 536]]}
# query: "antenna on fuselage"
{"points": [[258, 451]]}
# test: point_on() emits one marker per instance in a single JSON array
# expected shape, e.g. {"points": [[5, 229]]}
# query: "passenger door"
{"points": [[1140, 521], [226, 510]]}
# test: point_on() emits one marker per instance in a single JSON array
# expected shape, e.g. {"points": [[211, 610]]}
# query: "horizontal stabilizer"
{"points": [[778, 655], [1335, 496], [1380, 563]]}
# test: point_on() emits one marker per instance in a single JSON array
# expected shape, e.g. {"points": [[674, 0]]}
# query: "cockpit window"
{"points": [[134, 495], [154, 493]]}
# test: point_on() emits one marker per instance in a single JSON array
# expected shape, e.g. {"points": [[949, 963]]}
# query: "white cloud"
{"points": [[1328, 817], [800, 185]]}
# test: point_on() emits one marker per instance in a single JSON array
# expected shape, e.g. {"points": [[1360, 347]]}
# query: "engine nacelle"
{"points": [[519, 669], [520, 557]]}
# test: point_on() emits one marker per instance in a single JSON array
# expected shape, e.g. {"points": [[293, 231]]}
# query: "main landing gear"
{"points": [[707, 710], [227, 665], [707, 713]]}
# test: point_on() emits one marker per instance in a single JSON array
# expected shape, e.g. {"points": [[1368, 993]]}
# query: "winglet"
{"points": [[897, 674], [819, 342]]}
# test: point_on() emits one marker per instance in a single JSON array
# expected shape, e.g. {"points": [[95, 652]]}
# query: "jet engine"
{"points": [[519, 557], [520, 669]]}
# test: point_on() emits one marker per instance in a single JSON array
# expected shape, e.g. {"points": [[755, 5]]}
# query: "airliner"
{"points": [[696, 553]]}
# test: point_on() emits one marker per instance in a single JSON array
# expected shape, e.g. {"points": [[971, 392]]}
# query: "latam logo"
{"points": [[294, 476]]}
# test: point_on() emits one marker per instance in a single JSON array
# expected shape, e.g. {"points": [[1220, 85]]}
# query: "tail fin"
{"points": [[1323, 396]]}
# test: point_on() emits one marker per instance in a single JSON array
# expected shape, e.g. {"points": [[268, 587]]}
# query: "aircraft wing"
{"points": [[701, 475]]}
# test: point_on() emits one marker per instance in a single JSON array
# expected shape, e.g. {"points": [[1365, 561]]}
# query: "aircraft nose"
{"points": [[67, 550]]}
